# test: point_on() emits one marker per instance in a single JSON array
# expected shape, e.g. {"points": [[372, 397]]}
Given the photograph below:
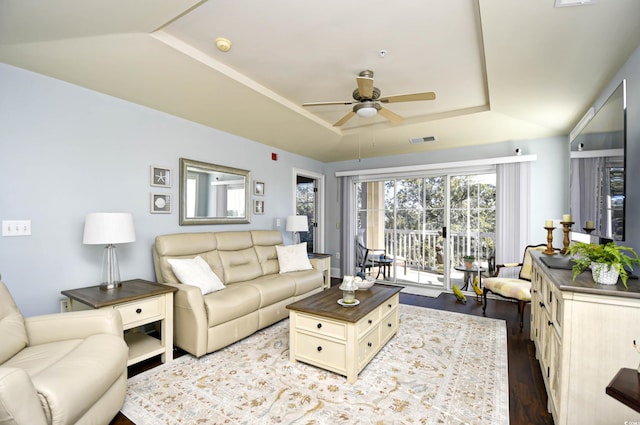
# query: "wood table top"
{"points": [[131, 290], [325, 304]]}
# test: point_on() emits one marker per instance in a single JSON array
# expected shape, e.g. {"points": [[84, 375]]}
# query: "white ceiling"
{"points": [[501, 69]]}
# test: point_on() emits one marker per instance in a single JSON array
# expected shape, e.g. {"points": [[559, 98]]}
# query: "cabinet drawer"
{"points": [[322, 352], [140, 311], [368, 322], [388, 325], [368, 346], [321, 326], [389, 305]]}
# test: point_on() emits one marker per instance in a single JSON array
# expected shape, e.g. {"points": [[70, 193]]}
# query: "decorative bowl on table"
{"points": [[365, 283]]}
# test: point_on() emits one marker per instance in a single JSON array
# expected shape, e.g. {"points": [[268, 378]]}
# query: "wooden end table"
{"points": [[343, 339], [139, 302], [324, 263]]}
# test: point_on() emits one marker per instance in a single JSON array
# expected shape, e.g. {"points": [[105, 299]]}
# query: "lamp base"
{"points": [[110, 270]]}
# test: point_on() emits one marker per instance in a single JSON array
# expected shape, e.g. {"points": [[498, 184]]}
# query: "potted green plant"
{"points": [[606, 261], [468, 261]]}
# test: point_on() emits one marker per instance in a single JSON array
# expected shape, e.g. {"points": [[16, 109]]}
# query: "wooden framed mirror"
{"points": [[213, 194]]}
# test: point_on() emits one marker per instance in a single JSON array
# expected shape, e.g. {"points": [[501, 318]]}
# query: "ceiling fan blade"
{"points": [[391, 116], [338, 102], [408, 97], [344, 119], [365, 87]]}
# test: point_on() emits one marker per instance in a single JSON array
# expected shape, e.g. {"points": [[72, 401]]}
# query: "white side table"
{"points": [[139, 302]]}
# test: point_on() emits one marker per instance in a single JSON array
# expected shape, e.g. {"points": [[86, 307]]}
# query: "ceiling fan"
{"points": [[367, 100]]}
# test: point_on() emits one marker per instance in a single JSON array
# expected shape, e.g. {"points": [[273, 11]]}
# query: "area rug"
{"points": [[440, 368]]}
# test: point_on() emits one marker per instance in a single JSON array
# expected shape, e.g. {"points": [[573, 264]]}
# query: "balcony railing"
{"points": [[423, 249]]}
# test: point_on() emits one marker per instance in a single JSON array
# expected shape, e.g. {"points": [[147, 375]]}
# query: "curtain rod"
{"points": [[426, 167]]}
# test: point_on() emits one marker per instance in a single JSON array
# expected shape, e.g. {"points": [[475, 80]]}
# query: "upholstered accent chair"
{"points": [[59, 369], [518, 289]]}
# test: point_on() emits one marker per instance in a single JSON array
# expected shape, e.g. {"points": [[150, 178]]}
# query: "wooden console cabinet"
{"points": [[583, 334]]}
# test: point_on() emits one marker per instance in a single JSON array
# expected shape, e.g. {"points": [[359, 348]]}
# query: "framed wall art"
{"points": [[161, 176], [160, 203], [258, 207], [258, 188]]}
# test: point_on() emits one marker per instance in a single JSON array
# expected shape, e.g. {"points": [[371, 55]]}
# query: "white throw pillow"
{"points": [[293, 258], [196, 271]]}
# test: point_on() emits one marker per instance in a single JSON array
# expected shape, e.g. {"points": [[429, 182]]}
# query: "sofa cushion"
{"points": [[293, 258], [307, 280], [235, 301], [274, 288], [196, 271], [12, 328], [240, 265]]}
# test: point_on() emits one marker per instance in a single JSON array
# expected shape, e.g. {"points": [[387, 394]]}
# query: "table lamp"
{"points": [[297, 223], [109, 229]]}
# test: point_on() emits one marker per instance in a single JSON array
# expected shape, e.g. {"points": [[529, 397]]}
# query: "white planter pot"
{"points": [[604, 274]]}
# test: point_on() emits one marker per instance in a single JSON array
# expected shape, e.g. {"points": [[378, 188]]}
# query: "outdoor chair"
{"points": [[370, 258], [518, 289]]}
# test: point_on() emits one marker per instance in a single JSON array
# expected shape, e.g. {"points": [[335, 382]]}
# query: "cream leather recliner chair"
{"points": [[65, 368]]}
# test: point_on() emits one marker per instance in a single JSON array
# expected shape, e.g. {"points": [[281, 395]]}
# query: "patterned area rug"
{"points": [[441, 368]]}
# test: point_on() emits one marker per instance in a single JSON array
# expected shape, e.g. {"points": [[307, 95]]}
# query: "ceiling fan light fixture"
{"points": [[366, 109]]}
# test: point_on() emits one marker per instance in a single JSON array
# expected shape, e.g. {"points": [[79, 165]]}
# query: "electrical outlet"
{"points": [[64, 306], [16, 227]]}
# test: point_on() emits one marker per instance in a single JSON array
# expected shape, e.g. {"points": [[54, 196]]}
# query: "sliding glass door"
{"points": [[409, 218]]}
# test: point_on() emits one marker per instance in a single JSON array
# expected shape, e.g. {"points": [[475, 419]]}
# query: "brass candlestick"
{"points": [[588, 230], [549, 250], [566, 228]]}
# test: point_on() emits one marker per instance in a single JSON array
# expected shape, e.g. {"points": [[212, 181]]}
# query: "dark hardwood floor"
{"points": [[527, 395]]}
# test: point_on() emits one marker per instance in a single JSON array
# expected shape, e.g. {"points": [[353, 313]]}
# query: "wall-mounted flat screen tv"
{"points": [[598, 164]]}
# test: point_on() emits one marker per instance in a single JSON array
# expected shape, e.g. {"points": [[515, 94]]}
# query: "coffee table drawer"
{"points": [[321, 326], [368, 322], [368, 346], [390, 305], [389, 325], [322, 352]]}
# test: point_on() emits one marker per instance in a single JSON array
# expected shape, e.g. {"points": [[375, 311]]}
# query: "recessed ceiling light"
{"points": [[570, 3], [223, 44]]}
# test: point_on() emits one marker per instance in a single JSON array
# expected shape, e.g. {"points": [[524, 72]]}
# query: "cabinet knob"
{"points": [[549, 323], [138, 310], [319, 325], [389, 305], [541, 304], [319, 348], [389, 324], [369, 344], [370, 321]]}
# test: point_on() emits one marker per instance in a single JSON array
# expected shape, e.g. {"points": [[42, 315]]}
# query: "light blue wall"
{"points": [[67, 151]]}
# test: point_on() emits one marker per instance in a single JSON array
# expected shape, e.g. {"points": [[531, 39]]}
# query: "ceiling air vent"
{"points": [[414, 140]]}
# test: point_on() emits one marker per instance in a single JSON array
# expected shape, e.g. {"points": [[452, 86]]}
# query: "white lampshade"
{"points": [[297, 223], [108, 228], [367, 112]]}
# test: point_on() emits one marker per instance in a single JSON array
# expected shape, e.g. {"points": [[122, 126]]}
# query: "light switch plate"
{"points": [[16, 227]]}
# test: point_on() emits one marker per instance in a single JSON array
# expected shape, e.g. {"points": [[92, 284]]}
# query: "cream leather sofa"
{"points": [[66, 368], [255, 294]]}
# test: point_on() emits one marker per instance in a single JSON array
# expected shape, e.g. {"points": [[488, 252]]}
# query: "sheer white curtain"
{"points": [[347, 244], [512, 211]]}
